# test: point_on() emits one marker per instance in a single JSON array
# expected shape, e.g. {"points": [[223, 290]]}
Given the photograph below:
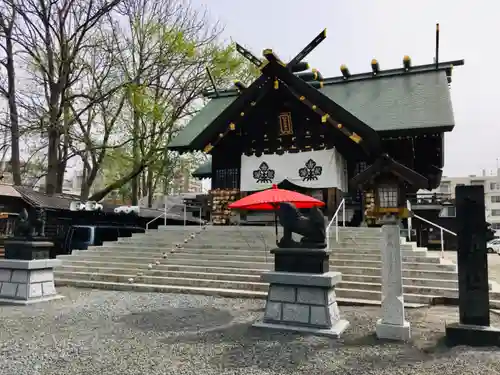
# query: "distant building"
{"points": [[491, 183]]}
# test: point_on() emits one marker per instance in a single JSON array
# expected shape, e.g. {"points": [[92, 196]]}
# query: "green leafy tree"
{"points": [[164, 51]]}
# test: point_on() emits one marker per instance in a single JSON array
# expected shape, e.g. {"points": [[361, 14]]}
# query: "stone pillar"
{"points": [[473, 288], [392, 325], [301, 294]]}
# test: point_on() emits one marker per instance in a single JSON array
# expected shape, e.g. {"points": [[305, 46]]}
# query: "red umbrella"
{"points": [[270, 199]]}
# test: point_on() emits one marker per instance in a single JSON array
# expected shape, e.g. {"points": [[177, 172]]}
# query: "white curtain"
{"points": [[311, 169]]}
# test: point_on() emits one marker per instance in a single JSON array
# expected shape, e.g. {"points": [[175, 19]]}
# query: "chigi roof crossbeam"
{"points": [[303, 86]]}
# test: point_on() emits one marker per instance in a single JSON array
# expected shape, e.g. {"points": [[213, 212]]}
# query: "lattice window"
{"points": [[388, 196], [227, 178]]}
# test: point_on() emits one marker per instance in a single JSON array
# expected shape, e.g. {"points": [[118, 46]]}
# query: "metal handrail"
{"points": [[164, 215], [336, 219], [441, 229]]}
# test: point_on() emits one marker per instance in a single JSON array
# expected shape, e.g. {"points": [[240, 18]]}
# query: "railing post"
{"points": [[185, 213], [343, 213], [442, 243], [408, 205], [200, 217], [337, 228]]}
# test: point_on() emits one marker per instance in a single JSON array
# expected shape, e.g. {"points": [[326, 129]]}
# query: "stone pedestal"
{"points": [[27, 281], [301, 260], [392, 325], [23, 249], [302, 301]]}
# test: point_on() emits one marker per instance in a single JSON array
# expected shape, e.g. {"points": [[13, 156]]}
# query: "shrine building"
{"points": [[295, 128]]}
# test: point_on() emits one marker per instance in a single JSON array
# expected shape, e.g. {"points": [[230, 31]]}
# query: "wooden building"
{"points": [[295, 128], [59, 217]]}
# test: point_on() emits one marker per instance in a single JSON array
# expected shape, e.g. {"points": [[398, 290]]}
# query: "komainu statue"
{"points": [[30, 226], [312, 228]]}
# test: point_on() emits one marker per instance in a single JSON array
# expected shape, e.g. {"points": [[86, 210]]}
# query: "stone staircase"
{"points": [[228, 261]]}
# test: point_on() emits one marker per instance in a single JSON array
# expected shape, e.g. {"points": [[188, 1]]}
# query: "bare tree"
{"points": [[52, 35], [8, 90]]}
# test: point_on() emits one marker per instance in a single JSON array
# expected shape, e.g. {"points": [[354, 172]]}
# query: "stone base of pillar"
{"points": [[399, 332], [465, 334], [24, 282], [302, 302]]}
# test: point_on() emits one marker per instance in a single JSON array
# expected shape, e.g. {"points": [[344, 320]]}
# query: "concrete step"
{"points": [[407, 272], [342, 291], [162, 267], [407, 257], [191, 244], [145, 255], [229, 293], [427, 263], [179, 228], [184, 261], [229, 261], [160, 272], [363, 253], [406, 265], [202, 244], [248, 255], [149, 288], [200, 265], [161, 280], [159, 235], [411, 281], [234, 274], [408, 289]]}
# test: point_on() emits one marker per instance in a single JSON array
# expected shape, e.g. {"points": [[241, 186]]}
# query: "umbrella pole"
{"points": [[276, 224]]}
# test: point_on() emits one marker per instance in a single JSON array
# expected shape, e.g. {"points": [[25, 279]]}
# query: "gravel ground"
{"points": [[107, 333]]}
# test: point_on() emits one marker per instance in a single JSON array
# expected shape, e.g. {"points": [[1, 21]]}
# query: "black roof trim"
{"points": [[385, 162]]}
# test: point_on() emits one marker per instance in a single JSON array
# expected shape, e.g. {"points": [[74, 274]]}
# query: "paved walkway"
{"points": [[126, 333]]}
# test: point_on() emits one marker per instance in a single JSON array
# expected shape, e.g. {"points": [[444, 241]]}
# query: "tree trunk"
{"points": [[63, 156], [150, 187], [53, 160], [118, 184], [85, 186], [14, 117], [87, 182], [135, 150]]}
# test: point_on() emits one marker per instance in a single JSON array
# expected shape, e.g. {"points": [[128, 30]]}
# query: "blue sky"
{"points": [[359, 30]]}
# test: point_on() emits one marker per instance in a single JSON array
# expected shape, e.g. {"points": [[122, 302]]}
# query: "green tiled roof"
{"points": [[398, 102], [199, 122], [204, 170]]}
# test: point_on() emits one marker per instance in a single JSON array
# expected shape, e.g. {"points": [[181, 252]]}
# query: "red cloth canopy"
{"points": [[270, 199]]}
